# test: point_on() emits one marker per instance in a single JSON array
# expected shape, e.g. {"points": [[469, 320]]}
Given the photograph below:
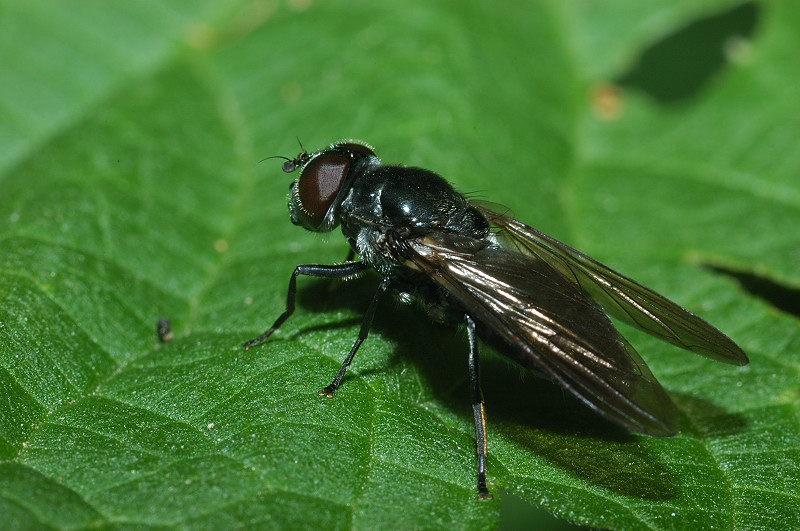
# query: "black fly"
{"points": [[534, 299]]}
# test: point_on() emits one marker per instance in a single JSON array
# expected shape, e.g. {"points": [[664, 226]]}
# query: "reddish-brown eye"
{"points": [[319, 183]]}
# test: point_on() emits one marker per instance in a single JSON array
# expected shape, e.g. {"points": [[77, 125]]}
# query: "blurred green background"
{"points": [[661, 138]]}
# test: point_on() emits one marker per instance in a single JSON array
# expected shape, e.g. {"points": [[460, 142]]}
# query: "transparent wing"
{"points": [[621, 296], [545, 321]]}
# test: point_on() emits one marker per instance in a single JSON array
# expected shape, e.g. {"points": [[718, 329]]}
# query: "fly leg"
{"points": [[362, 335], [338, 271], [333, 285], [477, 408]]}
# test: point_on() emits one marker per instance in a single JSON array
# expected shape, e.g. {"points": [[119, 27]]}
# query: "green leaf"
{"points": [[131, 191]]}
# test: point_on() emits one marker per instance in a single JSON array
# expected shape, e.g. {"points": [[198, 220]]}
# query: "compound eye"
{"points": [[319, 184]]}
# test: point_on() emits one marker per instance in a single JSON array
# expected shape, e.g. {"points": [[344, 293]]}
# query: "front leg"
{"points": [[344, 271]]}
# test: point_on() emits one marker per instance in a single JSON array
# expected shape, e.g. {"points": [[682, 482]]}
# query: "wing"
{"points": [[545, 321], [621, 296]]}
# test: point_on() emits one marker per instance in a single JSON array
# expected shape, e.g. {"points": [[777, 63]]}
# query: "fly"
{"points": [[532, 298]]}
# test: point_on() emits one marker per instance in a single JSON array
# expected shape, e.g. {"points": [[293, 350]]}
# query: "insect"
{"points": [[529, 296], [164, 330]]}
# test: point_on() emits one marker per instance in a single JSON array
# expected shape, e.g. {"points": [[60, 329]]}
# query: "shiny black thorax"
{"points": [[400, 202]]}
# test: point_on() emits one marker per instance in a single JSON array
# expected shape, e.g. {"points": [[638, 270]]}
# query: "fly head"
{"points": [[325, 177]]}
